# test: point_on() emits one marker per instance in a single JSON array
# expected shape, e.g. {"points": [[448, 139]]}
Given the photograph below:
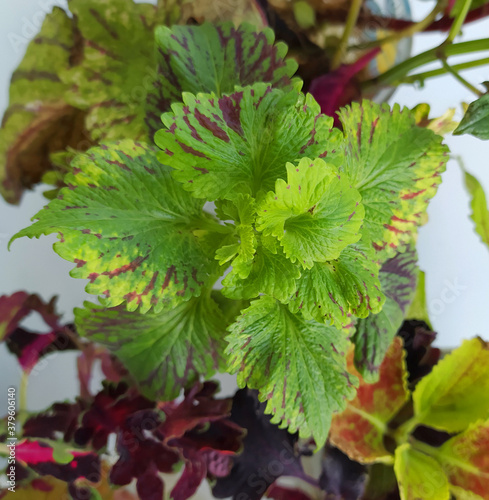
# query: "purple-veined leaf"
{"points": [[131, 230], [240, 143], [374, 334], [117, 66], [298, 366], [395, 165], [331, 292], [213, 58], [39, 120], [163, 351]]}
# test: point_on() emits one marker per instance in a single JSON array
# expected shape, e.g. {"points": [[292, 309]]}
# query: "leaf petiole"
{"points": [[460, 78]]}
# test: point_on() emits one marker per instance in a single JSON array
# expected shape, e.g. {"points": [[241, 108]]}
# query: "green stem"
{"points": [[424, 448], [462, 80], [401, 70], [210, 224], [420, 77], [407, 32], [402, 434], [458, 22], [22, 410], [351, 21]]}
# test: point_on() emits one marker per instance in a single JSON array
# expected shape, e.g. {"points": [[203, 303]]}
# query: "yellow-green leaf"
{"points": [[456, 393], [419, 476], [478, 204]]}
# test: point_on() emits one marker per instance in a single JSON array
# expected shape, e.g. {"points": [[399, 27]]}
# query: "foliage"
{"points": [[451, 398], [476, 119], [186, 155]]}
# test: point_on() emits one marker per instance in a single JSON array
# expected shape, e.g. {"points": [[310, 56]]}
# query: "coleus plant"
{"points": [[199, 162]]}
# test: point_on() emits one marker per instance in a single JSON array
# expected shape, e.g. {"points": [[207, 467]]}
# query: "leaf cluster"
{"points": [[313, 228]]}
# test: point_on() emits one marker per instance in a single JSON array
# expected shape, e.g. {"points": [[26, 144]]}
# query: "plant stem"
{"points": [[442, 71], [406, 32], [401, 70], [462, 80], [424, 448], [351, 21], [458, 22], [401, 435], [22, 411]]}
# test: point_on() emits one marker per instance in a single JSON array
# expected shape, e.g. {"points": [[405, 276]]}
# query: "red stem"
{"points": [[389, 23]]}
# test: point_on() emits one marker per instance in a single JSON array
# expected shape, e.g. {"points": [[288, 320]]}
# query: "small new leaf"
{"points": [[240, 143], [164, 352], [298, 366], [456, 393], [476, 119], [240, 246], [271, 273], [315, 214], [130, 228]]}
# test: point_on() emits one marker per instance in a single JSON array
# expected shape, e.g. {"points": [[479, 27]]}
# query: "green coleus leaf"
{"points": [[240, 143], [333, 291], [478, 204], [456, 393], [214, 58], [395, 165], [466, 462], [419, 476], [164, 352], [240, 247], [38, 120], [298, 366], [131, 230], [314, 214], [374, 334], [117, 69], [476, 119], [359, 431], [271, 273], [418, 308]]}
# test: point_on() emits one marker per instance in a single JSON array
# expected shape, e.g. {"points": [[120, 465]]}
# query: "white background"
{"points": [[449, 250]]}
